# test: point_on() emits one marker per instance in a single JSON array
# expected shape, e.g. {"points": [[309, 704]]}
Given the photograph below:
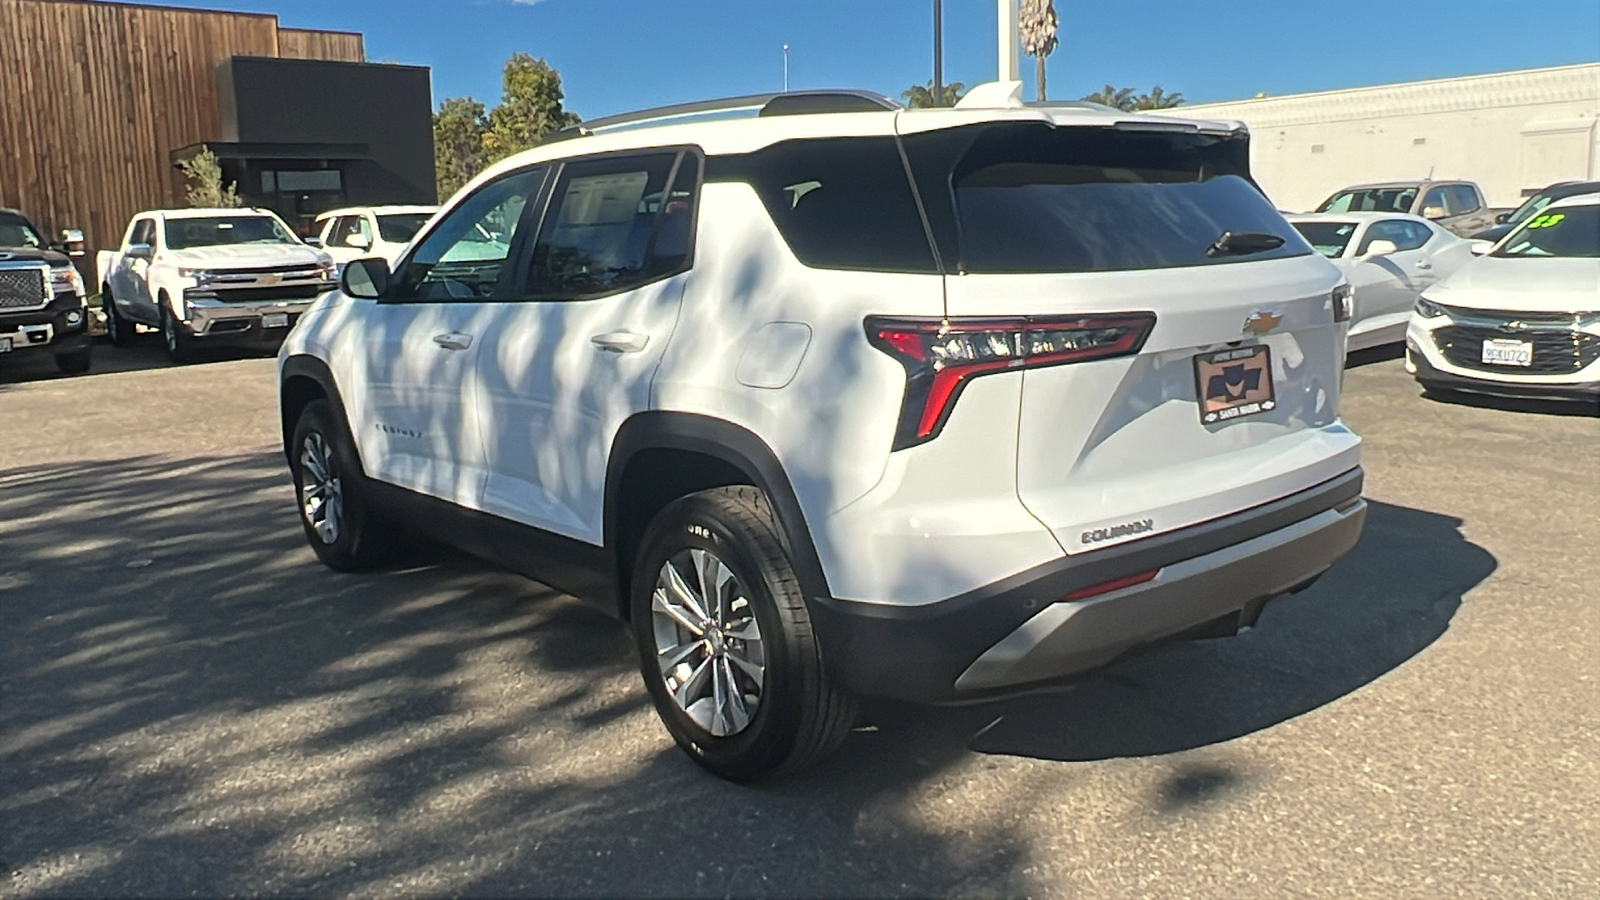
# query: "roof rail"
{"points": [[791, 103]]}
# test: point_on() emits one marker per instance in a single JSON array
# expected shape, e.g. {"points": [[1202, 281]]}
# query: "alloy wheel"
{"points": [[708, 642], [321, 493]]}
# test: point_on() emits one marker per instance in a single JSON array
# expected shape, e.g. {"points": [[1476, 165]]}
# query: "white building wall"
{"points": [[1512, 133]]}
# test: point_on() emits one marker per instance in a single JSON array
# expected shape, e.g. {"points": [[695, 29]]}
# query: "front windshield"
{"points": [[1327, 238], [400, 228], [15, 231], [1385, 199], [213, 231], [1529, 206], [1567, 231]]}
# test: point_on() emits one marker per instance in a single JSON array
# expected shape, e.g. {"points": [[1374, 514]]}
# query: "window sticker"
{"points": [[1547, 220]]}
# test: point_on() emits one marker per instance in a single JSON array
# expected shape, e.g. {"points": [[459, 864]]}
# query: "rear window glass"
{"points": [[840, 203], [400, 228], [1032, 199]]}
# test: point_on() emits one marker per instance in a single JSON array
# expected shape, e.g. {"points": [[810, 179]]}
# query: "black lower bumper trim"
{"points": [[917, 653]]}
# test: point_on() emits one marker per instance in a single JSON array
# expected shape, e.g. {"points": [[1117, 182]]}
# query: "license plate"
{"points": [[5, 345], [1234, 383], [1501, 352], [275, 320]]}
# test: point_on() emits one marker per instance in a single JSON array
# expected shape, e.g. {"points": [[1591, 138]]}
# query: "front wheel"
{"points": [[118, 329], [179, 344], [340, 524], [725, 640], [75, 362]]}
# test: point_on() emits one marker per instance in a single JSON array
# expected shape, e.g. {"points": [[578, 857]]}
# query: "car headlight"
{"points": [[200, 275], [329, 270], [66, 279], [1429, 309]]}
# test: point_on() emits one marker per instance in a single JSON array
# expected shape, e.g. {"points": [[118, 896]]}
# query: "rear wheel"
{"points": [[725, 640], [120, 330], [339, 522], [76, 362]]}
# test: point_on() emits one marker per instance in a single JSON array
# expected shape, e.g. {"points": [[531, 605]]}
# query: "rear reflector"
{"points": [[941, 355], [1116, 584]]}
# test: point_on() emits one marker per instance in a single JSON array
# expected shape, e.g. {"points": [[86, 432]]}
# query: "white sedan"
{"points": [[1389, 260], [1523, 320]]}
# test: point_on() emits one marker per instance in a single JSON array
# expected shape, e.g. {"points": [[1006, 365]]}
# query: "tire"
{"points": [[180, 346], [118, 329], [798, 716], [76, 362], [340, 523]]}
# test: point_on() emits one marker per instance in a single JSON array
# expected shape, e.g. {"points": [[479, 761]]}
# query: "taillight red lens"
{"points": [[941, 355]]}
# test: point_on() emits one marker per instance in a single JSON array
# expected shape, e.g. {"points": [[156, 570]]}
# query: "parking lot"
{"points": [[190, 704]]}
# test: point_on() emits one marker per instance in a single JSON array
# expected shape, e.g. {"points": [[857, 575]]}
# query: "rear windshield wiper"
{"points": [[1240, 243]]}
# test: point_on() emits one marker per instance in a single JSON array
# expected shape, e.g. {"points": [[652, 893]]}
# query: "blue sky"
{"points": [[616, 55]]}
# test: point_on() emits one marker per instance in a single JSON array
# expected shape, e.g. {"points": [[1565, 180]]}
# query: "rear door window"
{"points": [[1030, 199]]}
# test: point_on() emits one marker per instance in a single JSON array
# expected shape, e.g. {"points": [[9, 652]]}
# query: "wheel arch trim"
{"points": [[305, 366]]}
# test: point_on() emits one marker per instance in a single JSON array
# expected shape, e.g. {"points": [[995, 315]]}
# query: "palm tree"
{"points": [[1036, 22], [1114, 97], [920, 96], [1158, 99]]}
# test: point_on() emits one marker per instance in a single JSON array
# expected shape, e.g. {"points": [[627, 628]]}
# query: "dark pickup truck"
{"points": [[43, 307]]}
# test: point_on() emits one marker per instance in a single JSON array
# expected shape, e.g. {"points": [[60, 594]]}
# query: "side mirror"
{"points": [[365, 279], [72, 241], [360, 242], [1502, 218], [139, 251], [314, 242], [1480, 248], [1381, 248]]}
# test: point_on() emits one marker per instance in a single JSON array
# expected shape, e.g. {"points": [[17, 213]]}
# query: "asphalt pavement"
{"points": [[191, 706]]}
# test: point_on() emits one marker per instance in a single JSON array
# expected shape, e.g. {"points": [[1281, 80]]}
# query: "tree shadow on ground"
{"points": [[189, 704]]}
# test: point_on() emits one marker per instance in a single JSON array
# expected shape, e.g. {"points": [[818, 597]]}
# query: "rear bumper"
{"points": [[1018, 633]]}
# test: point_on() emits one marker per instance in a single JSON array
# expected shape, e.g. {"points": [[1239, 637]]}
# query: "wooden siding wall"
{"points": [[298, 43], [94, 96]]}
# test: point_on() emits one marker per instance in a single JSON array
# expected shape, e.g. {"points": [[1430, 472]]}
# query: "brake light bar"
{"points": [[941, 355], [1115, 584]]}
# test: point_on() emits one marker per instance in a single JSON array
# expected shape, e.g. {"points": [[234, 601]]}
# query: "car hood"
{"points": [[245, 256], [33, 255], [1523, 285]]}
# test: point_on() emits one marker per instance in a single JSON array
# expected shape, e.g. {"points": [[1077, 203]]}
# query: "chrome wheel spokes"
{"points": [[708, 642], [321, 494]]}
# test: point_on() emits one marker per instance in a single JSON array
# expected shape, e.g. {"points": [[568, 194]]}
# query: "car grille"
{"points": [[297, 270], [1557, 348], [259, 294], [22, 289]]}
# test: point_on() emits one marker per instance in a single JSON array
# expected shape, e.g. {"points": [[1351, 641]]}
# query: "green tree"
{"points": [[1114, 97], [530, 107], [206, 189], [1158, 99], [920, 96], [1036, 23], [459, 153]]}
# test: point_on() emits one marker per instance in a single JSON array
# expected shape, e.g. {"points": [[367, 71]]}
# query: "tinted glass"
{"points": [[16, 231], [1420, 233], [840, 203], [613, 225], [1388, 199], [464, 256], [400, 228], [1033, 199], [144, 232], [346, 227], [1434, 204], [1570, 231], [1529, 207], [214, 231], [1328, 238], [1463, 199]]}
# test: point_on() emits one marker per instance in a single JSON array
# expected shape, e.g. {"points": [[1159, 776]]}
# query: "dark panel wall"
{"points": [[388, 108], [94, 96]]}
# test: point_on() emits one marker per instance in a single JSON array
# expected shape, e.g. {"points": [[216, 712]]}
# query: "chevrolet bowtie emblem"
{"points": [[1262, 321], [269, 279]]}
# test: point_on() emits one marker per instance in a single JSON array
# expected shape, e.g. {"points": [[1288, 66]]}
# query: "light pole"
{"points": [[1010, 41], [786, 68], [938, 52]]}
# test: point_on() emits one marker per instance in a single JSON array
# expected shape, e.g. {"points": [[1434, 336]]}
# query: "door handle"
{"points": [[1424, 264], [621, 341], [453, 340]]}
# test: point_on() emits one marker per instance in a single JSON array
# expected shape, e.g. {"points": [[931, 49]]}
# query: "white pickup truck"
{"points": [[209, 277]]}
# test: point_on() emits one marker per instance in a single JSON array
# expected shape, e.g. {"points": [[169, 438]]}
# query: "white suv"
{"points": [[841, 399]]}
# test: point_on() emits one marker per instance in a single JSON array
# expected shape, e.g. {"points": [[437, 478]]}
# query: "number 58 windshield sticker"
{"points": [[1546, 220]]}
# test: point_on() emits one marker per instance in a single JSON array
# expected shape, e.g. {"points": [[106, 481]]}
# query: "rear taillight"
{"points": [[941, 355]]}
